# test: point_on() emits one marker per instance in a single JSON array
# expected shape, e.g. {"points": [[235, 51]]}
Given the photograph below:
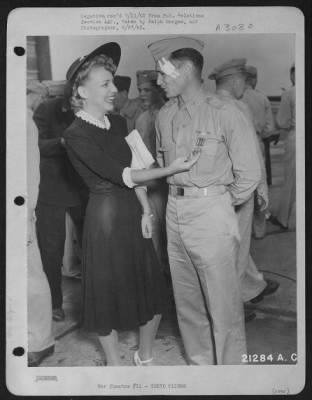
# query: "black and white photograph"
{"points": [[160, 220]]}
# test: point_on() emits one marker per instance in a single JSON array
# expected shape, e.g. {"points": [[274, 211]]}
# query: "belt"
{"points": [[180, 191]]}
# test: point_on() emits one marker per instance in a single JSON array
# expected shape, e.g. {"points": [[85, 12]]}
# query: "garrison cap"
{"points": [[122, 82], [164, 47], [234, 66], [146, 76], [251, 70]]}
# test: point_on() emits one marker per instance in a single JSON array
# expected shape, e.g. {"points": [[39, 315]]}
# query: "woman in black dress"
{"points": [[122, 279]]}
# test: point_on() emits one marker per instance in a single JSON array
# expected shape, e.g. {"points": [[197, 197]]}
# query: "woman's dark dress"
{"points": [[123, 284]]}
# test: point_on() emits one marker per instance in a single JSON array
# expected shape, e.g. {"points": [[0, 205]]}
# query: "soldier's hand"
{"points": [[183, 164], [263, 201], [272, 138]]}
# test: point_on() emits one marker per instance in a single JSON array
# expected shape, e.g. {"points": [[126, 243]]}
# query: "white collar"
{"points": [[105, 124]]}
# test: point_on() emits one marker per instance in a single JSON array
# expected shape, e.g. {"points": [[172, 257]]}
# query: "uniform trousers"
{"points": [[259, 220], [51, 238], [251, 280], [39, 311], [203, 241], [288, 192]]}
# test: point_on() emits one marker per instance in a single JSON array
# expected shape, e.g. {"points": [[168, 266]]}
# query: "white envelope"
{"points": [[142, 158]]}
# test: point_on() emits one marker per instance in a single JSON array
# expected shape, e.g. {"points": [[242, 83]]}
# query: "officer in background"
{"points": [[202, 229], [61, 191], [230, 80], [130, 109], [152, 99], [286, 120], [264, 124], [259, 105]]}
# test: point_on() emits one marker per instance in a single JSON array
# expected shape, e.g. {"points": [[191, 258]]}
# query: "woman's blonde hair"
{"points": [[76, 101]]}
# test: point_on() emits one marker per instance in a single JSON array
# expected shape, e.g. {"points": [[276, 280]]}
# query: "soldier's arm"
{"points": [[262, 187], [140, 126], [242, 150], [49, 147], [159, 153]]}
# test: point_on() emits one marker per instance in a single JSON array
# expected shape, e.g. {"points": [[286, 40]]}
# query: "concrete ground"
{"points": [[272, 333]]}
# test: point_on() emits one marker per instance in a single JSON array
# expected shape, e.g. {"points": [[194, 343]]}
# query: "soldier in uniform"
{"points": [[61, 191], [264, 124], [286, 119], [230, 80], [259, 105], [152, 100], [39, 315], [202, 228], [130, 109]]}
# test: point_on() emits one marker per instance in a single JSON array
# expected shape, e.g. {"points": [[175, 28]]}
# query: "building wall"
{"points": [[32, 62], [38, 58]]}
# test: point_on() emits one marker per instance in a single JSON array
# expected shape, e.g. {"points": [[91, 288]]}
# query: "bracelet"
{"points": [[148, 215]]}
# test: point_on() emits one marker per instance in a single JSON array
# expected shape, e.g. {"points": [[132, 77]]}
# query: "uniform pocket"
{"points": [[207, 157]]}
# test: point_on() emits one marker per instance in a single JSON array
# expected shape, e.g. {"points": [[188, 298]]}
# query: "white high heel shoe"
{"points": [[141, 363]]}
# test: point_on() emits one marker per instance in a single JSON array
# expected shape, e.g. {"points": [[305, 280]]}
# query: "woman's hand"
{"points": [[147, 226], [183, 164]]}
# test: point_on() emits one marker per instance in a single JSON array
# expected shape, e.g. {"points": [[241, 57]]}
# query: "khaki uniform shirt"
{"points": [[131, 110], [261, 112], [262, 187], [145, 125], [229, 155]]}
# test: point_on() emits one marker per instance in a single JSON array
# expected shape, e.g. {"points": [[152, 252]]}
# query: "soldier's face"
{"points": [[172, 84], [146, 93], [239, 85]]}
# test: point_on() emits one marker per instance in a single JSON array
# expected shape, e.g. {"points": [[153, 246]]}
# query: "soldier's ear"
{"points": [[82, 92], [188, 67]]}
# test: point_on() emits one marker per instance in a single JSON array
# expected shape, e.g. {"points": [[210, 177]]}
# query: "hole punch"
{"points": [[19, 200], [19, 51], [18, 351]]}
